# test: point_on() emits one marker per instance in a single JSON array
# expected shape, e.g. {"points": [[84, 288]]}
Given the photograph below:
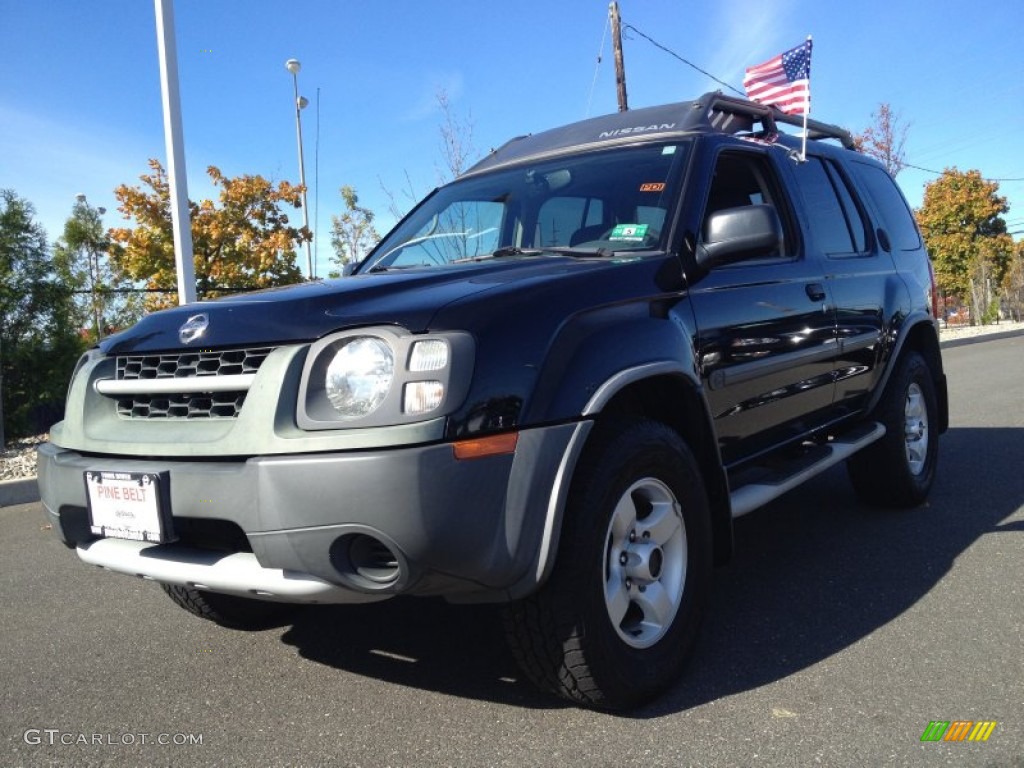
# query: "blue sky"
{"points": [[80, 93]]}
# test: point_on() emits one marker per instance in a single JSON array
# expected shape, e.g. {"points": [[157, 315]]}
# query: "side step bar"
{"points": [[756, 494]]}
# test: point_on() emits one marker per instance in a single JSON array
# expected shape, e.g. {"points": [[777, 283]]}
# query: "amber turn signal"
{"points": [[481, 447]]}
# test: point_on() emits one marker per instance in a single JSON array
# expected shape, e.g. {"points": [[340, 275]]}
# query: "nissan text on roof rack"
{"points": [[554, 385]]}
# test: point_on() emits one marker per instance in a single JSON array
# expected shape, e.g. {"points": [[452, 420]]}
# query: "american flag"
{"points": [[784, 81]]}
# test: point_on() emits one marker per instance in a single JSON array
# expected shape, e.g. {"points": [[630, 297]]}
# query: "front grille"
{"points": [[227, 362], [155, 395], [213, 405]]}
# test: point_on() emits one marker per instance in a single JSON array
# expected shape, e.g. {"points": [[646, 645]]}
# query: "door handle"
{"points": [[815, 292]]}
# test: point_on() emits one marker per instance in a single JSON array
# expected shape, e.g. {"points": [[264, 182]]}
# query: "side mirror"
{"points": [[349, 268], [735, 234]]}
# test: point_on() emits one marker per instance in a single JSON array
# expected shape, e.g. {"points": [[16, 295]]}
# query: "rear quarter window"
{"points": [[890, 205]]}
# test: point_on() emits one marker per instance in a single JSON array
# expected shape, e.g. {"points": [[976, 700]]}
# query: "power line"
{"points": [[939, 173], [597, 66], [736, 90], [687, 63]]}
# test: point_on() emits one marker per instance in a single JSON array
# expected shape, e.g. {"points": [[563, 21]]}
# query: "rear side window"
{"points": [[892, 208], [833, 216], [854, 216]]}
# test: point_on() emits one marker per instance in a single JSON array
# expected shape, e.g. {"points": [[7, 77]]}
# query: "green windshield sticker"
{"points": [[632, 233]]}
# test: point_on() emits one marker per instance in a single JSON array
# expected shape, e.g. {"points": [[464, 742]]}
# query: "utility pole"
{"points": [[620, 67]]}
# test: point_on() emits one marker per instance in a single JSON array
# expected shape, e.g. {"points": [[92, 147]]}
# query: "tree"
{"points": [[884, 139], [961, 220], [39, 343], [457, 153], [352, 233], [1013, 283], [103, 300], [244, 241], [457, 148]]}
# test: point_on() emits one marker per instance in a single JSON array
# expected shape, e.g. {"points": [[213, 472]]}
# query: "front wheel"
{"points": [[615, 623], [898, 470], [229, 610]]}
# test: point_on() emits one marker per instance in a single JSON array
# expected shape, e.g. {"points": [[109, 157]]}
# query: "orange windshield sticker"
{"points": [[653, 186]]}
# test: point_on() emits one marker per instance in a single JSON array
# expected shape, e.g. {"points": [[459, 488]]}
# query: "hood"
{"points": [[310, 310]]}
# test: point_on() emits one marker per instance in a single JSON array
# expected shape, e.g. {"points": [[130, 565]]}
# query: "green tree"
{"points": [[352, 233], [884, 139], [39, 342], [103, 300], [243, 241], [961, 220]]}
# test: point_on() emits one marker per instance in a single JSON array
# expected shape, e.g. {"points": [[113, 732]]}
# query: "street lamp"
{"points": [[293, 66]]}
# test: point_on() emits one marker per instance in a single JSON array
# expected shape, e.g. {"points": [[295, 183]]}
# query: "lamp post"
{"points": [[293, 66]]}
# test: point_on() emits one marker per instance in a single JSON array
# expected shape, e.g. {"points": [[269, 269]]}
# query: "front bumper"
{"points": [[339, 527]]}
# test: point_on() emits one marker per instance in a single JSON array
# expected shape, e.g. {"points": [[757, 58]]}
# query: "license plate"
{"points": [[128, 505]]}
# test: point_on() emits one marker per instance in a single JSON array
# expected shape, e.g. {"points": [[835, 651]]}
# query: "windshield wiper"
{"points": [[509, 250], [515, 250], [581, 252], [387, 267]]}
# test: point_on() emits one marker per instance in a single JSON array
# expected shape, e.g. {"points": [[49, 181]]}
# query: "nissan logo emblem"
{"points": [[193, 328]]}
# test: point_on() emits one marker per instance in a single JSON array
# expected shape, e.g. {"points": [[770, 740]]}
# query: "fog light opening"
{"points": [[366, 560]]}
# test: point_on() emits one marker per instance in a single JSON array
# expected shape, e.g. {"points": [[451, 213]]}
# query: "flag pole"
{"points": [[807, 110]]}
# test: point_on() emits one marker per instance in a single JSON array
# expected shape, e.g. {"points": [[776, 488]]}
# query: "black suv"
{"points": [[553, 385]]}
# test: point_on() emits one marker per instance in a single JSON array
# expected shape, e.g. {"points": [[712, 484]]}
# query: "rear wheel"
{"points": [[898, 470], [615, 623], [230, 610]]}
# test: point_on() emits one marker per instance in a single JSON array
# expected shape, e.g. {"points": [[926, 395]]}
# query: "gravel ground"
{"points": [[18, 459]]}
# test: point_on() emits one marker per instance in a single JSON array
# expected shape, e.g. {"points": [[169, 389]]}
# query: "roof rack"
{"points": [[732, 115], [712, 112]]}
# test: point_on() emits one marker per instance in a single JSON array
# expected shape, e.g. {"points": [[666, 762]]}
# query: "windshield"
{"points": [[591, 204]]}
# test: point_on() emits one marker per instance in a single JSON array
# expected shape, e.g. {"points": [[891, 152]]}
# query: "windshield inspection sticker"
{"points": [[653, 186], [633, 233]]}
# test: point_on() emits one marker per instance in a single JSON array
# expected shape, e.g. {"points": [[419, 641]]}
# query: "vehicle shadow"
{"points": [[813, 573], [423, 643]]}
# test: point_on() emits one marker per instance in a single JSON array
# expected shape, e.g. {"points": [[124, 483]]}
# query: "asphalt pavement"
{"points": [[836, 635]]}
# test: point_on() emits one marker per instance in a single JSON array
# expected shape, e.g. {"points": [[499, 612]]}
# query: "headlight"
{"points": [[430, 355], [422, 396], [359, 377], [383, 376]]}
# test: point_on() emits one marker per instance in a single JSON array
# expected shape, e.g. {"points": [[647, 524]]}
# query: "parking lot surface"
{"points": [[835, 637]]}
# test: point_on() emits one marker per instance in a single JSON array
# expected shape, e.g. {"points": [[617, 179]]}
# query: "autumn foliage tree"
{"points": [[1013, 283], [884, 139], [961, 220], [242, 241]]}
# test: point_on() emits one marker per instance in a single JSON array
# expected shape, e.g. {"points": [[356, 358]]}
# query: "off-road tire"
{"points": [[229, 610], [898, 470], [564, 636]]}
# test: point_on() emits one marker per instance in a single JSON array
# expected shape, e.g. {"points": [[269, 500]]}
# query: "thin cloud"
{"points": [[55, 161], [425, 107], [748, 32]]}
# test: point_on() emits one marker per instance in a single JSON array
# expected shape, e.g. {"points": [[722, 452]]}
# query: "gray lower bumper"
{"points": [[235, 574], [471, 530]]}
